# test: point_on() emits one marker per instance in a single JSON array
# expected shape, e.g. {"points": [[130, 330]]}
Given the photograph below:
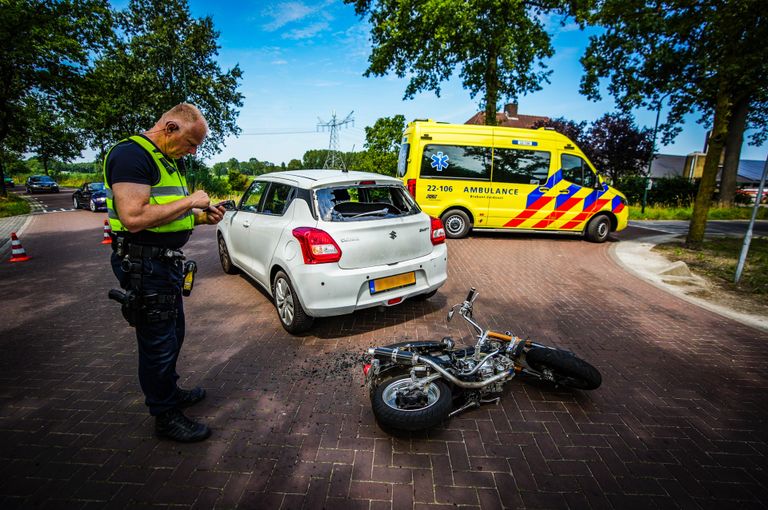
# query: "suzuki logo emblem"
{"points": [[392, 234]]}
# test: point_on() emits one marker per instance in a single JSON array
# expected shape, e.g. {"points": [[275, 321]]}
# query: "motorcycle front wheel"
{"points": [[396, 408], [565, 368]]}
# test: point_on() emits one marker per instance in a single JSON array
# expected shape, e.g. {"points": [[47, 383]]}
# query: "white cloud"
{"points": [[288, 12], [306, 32]]}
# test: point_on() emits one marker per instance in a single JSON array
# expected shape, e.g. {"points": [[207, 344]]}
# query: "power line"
{"points": [[334, 159]]}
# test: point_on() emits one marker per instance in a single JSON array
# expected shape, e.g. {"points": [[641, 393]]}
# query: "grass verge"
{"points": [[717, 261], [684, 213], [13, 205]]}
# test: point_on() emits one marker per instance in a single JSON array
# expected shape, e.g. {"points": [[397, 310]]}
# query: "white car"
{"points": [[328, 242]]}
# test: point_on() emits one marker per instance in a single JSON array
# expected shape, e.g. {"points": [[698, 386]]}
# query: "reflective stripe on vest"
{"points": [[171, 187]]}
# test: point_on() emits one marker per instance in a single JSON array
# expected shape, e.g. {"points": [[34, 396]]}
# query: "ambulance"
{"points": [[499, 178]]}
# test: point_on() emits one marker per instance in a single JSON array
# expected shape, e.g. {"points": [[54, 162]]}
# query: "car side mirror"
{"points": [[228, 205]]}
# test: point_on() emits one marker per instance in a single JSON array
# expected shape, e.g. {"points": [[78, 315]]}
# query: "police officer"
{"points": [[152, 215]]}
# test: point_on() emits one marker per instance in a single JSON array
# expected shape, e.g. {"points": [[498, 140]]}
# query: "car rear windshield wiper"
{"points": [[382, 212]]}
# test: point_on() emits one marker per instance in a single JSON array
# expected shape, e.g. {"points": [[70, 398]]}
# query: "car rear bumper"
{"points": [[325, 290]]}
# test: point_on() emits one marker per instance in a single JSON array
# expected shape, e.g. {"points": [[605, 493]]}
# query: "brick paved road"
{"points": [[681, 420]]}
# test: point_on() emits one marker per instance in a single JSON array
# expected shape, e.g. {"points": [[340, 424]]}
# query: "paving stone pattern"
{"points": [[680, 421]]}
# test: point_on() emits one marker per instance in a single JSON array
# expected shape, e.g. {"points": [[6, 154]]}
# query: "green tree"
{"points": [[45, 46], [694, 54], [382, 141], [314, 158], [294, 164], [162, 56], [53, 135], [497, 46]]}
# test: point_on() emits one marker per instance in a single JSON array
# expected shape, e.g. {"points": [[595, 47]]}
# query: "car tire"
{"points": [[289, 310], [456, 223], [92, 205], [75, 204], [224, 258], [598, 229]]}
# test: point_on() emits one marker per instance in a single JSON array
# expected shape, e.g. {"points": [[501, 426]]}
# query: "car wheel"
{"points": [[75, 204], [226, 261], [292, 316], [456, 223], [92, 205], [598, 229]]}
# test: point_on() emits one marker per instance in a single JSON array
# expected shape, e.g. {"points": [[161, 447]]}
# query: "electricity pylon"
{"points": [[334, 159]]}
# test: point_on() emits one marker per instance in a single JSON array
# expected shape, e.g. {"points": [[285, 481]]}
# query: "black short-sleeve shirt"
{"points": [[130, 162]]}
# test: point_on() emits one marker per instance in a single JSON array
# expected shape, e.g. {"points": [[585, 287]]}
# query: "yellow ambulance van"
{"points": [[488, 177]]}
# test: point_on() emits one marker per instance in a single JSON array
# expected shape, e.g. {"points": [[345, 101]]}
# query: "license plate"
{"points": [[392, 282]]}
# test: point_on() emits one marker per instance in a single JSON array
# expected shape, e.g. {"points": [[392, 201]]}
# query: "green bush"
{"points": [[666, 191], [237, 181]]}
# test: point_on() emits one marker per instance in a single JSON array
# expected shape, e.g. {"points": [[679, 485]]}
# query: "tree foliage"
{"points": [[613, 143], [45, 46], [163, 56], [497, 46], [617, 147], [697, 55]]}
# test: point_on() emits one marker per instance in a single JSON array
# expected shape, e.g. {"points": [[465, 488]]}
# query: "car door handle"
{"points": [[543, 189], [246, 224], [564, 191]]}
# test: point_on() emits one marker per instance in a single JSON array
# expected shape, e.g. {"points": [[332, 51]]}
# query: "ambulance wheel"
{"points": [[456, 223], [598, 229]]}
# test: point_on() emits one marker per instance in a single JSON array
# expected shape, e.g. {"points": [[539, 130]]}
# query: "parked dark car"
{"points": [[8, 182], [92, 195], [41, 183]]}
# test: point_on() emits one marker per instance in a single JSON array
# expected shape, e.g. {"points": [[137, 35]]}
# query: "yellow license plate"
{"points": [[392, 282]]}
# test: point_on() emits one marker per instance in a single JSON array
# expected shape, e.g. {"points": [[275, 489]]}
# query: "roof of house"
{"points": [[509, 118]]}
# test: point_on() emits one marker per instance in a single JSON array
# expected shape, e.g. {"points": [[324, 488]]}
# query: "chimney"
{"points": [[510, 109]]}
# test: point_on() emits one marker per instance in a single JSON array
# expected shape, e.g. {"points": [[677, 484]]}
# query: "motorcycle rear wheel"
{"points": [[567, 369], [391, 415]]}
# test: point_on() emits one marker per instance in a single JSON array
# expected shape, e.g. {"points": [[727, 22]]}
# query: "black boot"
{"points": [[190, 397], [172, 424]]}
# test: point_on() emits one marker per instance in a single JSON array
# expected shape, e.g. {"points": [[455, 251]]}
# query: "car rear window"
{"points": [[364, 202]]}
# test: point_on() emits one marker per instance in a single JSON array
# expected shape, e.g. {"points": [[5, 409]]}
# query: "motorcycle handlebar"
{"points": [[471, 295]]}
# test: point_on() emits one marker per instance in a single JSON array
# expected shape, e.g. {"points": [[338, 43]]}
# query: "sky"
{"points": [[303, 63]]}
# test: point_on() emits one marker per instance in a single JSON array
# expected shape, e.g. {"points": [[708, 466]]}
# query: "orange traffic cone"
{"points": [[107, 230], [18, 253]]}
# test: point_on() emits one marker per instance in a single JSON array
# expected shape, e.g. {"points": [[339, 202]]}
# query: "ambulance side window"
{"points": [[518, 166], [456, 162], [577, 171]]}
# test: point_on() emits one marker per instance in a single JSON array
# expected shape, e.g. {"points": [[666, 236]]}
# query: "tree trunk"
{"points": [[733, 143], [491, 89], [707, 185], [3, 191]]}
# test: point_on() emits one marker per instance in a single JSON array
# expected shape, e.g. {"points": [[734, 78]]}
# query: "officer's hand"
{"points": [[200, 199], [214, 214]]}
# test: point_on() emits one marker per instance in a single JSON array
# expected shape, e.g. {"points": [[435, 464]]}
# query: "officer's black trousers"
{"points": [[159, 333]]}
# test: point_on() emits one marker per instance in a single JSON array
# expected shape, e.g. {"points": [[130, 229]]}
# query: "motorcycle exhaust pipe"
{"points": [[396, 355]]}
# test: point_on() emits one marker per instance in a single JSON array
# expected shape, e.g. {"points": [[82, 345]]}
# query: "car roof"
{"points": [[316, 178]]}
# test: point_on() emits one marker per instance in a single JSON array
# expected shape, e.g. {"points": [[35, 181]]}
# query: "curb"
{"points": [[637, 258]]}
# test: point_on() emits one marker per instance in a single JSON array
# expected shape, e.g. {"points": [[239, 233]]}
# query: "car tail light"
{"points": [[437, 232], [367, 183], [366, 369], [412, 187], [317, 246]]}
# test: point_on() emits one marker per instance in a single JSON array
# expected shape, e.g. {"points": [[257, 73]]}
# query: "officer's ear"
{"points": [[171, 126]]}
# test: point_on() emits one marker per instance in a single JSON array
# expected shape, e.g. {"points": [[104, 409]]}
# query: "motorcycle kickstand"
{"points": [[494, 400], [473, 403]]}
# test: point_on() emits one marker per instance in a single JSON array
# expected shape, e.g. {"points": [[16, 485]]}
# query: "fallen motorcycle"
{"points": [[417, 385]]}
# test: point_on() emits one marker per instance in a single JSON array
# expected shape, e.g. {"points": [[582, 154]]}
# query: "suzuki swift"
{"points": [[328, 242]]}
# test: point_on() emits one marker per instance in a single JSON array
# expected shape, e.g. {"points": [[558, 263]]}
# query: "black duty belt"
{"points": [[122, 248]]}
